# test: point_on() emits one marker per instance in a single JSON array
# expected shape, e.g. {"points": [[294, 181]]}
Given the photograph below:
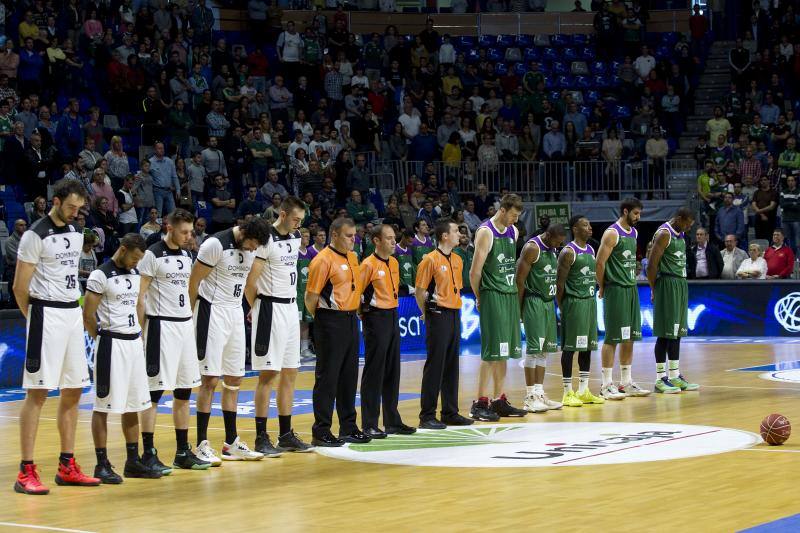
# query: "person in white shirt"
{"points": [[447, 52], [289, 45], [410, 119], [732, 257], [754, 267], [644, 64]]}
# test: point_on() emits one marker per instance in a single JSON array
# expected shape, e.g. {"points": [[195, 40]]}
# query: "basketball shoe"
{"points": [[187, 460], [290, 442], [587, 397], [28, 481], [264, 446], [610, 392], [70, 474], [535, 404], [683, 384], [503, 408], [633, 389], [135, 468], [151, 461], [239, 451], [105, 473], [207, 453], [551, 404], [480, 411], [665, 386], [570, 399]]}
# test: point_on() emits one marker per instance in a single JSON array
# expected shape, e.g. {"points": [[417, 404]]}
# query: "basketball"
{"points": [[775, 429]]}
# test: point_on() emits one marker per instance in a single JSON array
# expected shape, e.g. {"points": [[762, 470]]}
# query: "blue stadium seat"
{"points": [[569, 54], [599, 67], [587, 53], [550, 54], [583, 82], [532, 54], [472, 56], [501, 69], [663, 52], [565, 81], [615, 81], [615, 66], [580, 39], [560, 39], [550, 83], [524, 41], [506, 40], [466, 42], [494, 54], [601, 81], [586, 111], [520, 69], [554, 96], [559, 67], [409, 38], [670, 38], [621, 112], [485, 41], [591, 96]]}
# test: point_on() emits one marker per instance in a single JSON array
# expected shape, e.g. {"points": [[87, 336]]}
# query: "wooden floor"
{"points": [[301, 492]]}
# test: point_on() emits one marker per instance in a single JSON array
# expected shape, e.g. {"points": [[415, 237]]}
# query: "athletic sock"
{"points": [[64, 458], [132, 449], [625, 373], [22, 465], [606, 372], [530, 390], [284, 424], [567, 382], [674, 370], [538, 388], [229, 417], [182, 438], [261, 425], [202, 426], [102, 455], [583, 381], [661, 370], [147, 441]]}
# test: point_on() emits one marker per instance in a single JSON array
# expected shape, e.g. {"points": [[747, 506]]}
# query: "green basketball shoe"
{"points": [[683, 384]]}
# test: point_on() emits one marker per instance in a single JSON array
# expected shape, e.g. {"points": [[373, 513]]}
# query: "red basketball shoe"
{"points": [[70, 474], [28, 482]]}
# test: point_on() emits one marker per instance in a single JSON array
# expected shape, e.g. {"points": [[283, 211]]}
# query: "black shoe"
{"points": [[290, 442], [356, 437], [374, 433], [264, 445], [431, 423], [402, 429], [187, 460], [457, 420], [481, 411], [105, 473], [151, 461], [137, 469], [503, 408], [327, 440]]}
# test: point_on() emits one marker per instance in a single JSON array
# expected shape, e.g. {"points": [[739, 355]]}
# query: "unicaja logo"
{"points": [[787, 312]]}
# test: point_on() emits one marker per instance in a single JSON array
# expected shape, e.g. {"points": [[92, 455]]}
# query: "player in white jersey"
{"points": [[216, 289], [120, 380], [46, 289], [271, 291], [170, 353]]}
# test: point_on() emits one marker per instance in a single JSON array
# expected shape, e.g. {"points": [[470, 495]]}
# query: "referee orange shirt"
{"points": [[335, 277], [381, 280], [440, 275]]}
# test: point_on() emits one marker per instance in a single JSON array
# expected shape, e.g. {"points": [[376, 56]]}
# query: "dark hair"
{"points": [[441, 227], [684, 213], [133, 241], [574, 220], [779, 230], [417, 223], [630, 203], [407, 233], [292, 202], [556, 230], [377, 231], [65, 186], [256, 229], [511, 201], [180, 215], [340, 223]]}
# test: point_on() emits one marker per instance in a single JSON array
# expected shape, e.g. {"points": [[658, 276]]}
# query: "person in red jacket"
{"points": [[779, 257]]}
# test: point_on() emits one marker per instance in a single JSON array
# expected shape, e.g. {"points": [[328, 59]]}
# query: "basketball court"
{"points": [[688, 461]]}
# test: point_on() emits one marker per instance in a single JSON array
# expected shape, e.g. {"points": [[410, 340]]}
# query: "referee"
{"points": [[332, 297], [380, 277], [438, 294]]}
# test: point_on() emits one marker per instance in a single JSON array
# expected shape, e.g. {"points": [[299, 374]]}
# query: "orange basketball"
{"points": [[775, 429]]}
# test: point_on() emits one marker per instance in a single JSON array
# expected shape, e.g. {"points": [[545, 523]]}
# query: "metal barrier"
{"points": [[533, 180]]}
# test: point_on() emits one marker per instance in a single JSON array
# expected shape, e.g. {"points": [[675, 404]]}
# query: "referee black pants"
{"points": [[440, 374], [380, 379], [336, 341]]}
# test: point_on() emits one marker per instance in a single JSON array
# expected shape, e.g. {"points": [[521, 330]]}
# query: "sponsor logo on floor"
{"points": [[551, 444], [784, 376]]}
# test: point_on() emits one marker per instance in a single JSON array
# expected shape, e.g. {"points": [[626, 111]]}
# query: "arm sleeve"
{"points": [[210, 252], [318, 274], [30, 248], [96, 282], [424, 274], [147, 266]]}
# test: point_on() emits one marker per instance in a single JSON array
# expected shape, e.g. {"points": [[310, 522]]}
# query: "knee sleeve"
{"points": [[541, 360], [530, 361], [155, 396], [182, 394]]}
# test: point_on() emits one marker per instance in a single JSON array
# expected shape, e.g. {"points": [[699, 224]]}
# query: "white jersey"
{"points": [[119, 291], [168, 295], [56, 251], [279, 276], [224, 286]]}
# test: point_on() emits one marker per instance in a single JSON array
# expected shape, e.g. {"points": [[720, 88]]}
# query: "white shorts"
{"points": [[120, 380], [275, 338], [55, 354], [171, 356], [220, 339]]}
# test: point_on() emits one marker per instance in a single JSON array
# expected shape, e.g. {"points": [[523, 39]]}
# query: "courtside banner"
{"points": [[718, 308]]}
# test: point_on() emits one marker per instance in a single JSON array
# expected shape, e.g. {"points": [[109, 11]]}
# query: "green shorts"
{"points": [[578, 324], [302, 312], [671, 308], [500, 332], [622, 314], [539, 318]]}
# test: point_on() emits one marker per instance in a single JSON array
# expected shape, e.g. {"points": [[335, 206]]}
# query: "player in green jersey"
{"points": [[616, 279], [492, 279], [666, 273], [536, 283], [575, 291], [402, 252], [304, 257]]}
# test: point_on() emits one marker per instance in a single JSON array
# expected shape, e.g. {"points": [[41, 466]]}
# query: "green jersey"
{"points": [[420, 249], [501, 262], [673, 261], [405, 262], [466, 258], [368, 248], [303, 260], [312, 52], [541, 280], [581, 280], [621, 264]]}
